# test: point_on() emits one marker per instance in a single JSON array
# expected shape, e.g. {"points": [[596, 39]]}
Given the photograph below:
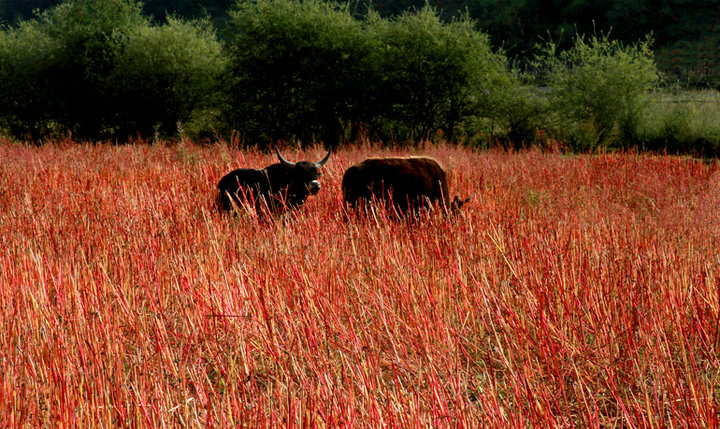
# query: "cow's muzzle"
{"points": [[313, 187]]}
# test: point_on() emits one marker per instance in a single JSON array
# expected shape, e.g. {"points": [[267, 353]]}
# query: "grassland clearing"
{"points": [[573, 290]]}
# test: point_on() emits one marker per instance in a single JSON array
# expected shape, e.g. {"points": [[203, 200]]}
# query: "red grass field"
{"points": [[572, 291]]}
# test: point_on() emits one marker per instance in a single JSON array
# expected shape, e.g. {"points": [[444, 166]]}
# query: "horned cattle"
{"points": [[277, 187]]}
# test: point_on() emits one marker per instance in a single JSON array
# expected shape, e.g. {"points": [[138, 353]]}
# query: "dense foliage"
{"points": [[168, 76], [687, 33], [98, 69], [597, 88], [311, 71], [434, 76], [298, 70], [316, 71], [88, 37]]}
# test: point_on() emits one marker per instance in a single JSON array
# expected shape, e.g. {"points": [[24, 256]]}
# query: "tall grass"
{"points": [[573, 291]]}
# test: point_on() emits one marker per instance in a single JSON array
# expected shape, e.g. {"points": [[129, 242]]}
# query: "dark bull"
{"points": [[277, 186], [403, 184]]}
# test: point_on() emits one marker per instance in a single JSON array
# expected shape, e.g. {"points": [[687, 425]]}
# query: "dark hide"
{"points": [[403, 184], [277, 187]]}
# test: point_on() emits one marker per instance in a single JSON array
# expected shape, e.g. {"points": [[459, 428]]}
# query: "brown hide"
{"points": [[405, 184]]}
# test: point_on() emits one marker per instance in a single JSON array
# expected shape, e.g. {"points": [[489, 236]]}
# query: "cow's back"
{"points": [[243, 184], [410, 181]]}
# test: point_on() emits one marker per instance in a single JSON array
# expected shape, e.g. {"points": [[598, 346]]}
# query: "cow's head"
{"points": [[303, 176]]}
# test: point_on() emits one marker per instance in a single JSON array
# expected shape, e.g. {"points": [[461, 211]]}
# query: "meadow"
{"points": [[572, 291], [682, 122]]}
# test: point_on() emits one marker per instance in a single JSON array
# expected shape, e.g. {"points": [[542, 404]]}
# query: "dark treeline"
{"points": [[316, 71], [686, 33], [307, 71]]}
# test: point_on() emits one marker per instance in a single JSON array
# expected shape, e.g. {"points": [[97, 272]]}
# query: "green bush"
{"points": [[90, 34], [98, 69], [309, 70], [296, 70], [520, 110], [165, 76], [434, 76], [597, 88], [26, 64]]}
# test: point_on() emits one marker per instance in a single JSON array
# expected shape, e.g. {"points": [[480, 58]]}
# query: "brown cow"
{"points": [[403, 184]]}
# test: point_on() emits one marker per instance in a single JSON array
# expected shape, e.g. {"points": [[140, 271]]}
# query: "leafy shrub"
{"points": [[167, 75], [597, 88], [297, 69], [520, 112], [434, 76], [26, 63], [90, 35], [98, 69], [309, 70]]}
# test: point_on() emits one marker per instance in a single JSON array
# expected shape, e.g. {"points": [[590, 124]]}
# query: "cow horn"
{"points": [[283, 160], [324, 160]]}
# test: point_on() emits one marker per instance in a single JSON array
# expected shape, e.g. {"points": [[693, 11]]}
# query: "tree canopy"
{"points": [[686, 33]]}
